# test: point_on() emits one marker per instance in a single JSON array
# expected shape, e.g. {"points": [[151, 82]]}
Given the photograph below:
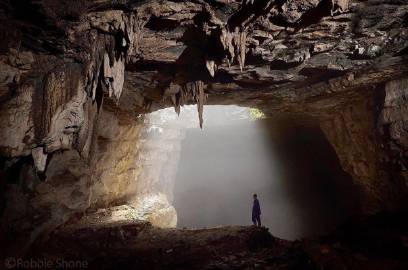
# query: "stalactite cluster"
{"points": [[191, 91], [235, 44]]}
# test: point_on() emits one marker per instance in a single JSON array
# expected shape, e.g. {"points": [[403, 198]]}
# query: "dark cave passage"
{"points": [[302, 188]]}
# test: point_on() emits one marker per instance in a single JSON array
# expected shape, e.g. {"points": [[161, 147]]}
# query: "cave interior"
{"points": [[134, 133]]}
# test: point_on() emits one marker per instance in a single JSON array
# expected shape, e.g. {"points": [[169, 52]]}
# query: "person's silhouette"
{"points": [[256, 212]]}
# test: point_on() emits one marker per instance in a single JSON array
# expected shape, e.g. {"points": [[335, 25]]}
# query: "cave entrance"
{"points": [[212, 173]]}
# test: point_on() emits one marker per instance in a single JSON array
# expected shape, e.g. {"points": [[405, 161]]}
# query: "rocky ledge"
{"points": [[379, 242]]}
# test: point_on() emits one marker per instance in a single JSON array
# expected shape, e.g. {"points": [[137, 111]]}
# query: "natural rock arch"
{"points": [[76, 76]]}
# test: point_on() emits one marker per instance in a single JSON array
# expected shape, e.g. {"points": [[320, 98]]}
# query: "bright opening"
{"points": [[212, 173]]}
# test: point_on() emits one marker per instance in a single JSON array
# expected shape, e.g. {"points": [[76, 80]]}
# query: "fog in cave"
{"points": [[301, 187]]}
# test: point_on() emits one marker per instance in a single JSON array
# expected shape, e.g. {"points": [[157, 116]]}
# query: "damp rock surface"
{"points": [[76, 78]]}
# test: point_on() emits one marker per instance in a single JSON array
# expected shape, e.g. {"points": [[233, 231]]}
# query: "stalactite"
{"points": [[39, 158], [202, 97], [241, 48], [226, 41], [59, 87], [211, 66], [174, 102], [235, 44], [176, 98], [191, 91], [114, 75]]}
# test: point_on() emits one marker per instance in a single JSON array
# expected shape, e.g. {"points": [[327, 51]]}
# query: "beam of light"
{"points": [[210, 175]]}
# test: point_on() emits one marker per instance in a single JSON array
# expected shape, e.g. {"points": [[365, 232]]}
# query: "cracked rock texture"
{"points": [[77, 76]]}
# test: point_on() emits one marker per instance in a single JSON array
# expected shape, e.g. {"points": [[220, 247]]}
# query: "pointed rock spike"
{"points": [[200, 103], [210, 64]]}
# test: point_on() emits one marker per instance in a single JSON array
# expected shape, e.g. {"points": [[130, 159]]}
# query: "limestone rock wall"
{"points": [[370, 141], [135, 167], [350, 131], [116, 170], [47, 128], [393, 126], [52, 125]]}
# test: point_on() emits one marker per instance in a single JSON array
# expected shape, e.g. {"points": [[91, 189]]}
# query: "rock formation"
{"points": [[76, 78], [105, 241]]}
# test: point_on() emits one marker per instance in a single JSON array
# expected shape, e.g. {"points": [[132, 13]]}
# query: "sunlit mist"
{"points": [[293, 169]]}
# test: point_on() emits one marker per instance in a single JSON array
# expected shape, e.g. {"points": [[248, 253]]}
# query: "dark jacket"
{"points": [[256, 208]]}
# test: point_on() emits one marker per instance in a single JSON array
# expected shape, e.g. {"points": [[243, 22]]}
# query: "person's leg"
{"points": [[259, 220], [254, 219]]}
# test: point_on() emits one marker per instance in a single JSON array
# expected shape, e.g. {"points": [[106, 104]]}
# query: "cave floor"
{"points": [[378, 242]]}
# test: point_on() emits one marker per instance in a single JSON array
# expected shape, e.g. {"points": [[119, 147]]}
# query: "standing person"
{"points": [[256, 212]]}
